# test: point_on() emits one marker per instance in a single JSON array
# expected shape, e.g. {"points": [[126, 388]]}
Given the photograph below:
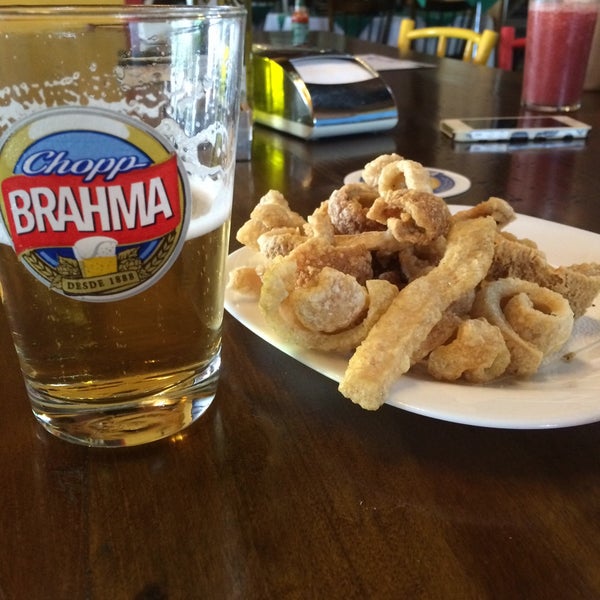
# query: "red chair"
{"points": [[506, 46]]}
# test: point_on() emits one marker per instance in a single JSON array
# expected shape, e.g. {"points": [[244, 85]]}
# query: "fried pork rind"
{"points": [[347, 208], [475, 302], [589, 269], [318, 306], [533, 320], [501, 211], [478, 353], [446, 327], [319, 224], [245, 281], [579, 284], [272, 212], [416, 261], [279, 241], [317, 253], [403, 175], [277, 307], [372, 170], [382, 241], [391, 345], [412, 216]]}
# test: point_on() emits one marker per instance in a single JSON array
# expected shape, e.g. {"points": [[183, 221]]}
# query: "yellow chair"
{"points": [[484, 41]]}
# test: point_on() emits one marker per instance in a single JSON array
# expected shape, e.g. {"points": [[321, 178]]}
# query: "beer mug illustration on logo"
{"points": [[96, 255], [116, 183]]}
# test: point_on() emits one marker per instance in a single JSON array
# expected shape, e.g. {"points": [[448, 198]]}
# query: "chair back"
{"points": [[507, 45], [478, 46]]}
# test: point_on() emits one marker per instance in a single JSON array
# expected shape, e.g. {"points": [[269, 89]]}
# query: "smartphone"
{"points": [[516, 146], [514, 129]]}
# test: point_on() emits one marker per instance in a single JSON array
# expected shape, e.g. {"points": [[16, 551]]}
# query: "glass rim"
{"points": [[120, 11]]}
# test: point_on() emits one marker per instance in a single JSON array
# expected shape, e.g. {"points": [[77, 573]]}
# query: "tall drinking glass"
{"points": [[117, 152], [559, 38]]}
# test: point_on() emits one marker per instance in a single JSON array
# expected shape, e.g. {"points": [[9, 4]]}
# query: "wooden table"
{"points": [[284, 489]]}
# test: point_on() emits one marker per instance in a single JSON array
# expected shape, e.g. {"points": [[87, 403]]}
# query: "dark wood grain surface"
{"points": [[284, 489]]}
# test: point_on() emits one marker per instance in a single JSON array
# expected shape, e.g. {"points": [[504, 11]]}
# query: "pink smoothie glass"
{"points": [[559, 38]]}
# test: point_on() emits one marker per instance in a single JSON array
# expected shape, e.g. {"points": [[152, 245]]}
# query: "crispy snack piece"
{"points": [[316, 253], [371, 240], [447, 326], [245, 281], [413, 217], [279, 241], [502, 212], [279, 281], [478, 353], [402, 175], [347, 208], [319, 224], [416, 261], [589, 269], [333, 302], [579, 284], [271, 212], [372, 170], [389, 349], [533, 320]]}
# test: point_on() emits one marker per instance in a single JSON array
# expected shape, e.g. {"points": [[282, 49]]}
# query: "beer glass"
{"points": [[559, 38], [118, 132]]}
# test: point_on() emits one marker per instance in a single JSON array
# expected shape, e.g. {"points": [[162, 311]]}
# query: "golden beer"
{"points": [[117, 146], [148, 347]]}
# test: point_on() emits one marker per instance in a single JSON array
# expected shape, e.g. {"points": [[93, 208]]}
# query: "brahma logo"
{"points": [[96, 204]]}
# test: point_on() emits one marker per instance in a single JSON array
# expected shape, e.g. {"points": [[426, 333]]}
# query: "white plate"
{"points": [[448, 182], [561, 394]]}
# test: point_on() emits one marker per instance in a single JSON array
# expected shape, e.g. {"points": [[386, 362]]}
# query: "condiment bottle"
{"points": [[299, 23]]}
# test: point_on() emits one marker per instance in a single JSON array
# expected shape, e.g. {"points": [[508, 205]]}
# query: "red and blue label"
{"points": [[96, 204]]}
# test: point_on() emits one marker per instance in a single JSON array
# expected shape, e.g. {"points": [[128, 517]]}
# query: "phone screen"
{"points": [[514, 123]]}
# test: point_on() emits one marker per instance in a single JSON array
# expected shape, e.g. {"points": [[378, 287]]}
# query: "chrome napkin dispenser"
{"points": [[319, 94]]}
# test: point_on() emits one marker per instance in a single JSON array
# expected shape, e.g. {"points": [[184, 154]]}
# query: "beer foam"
{"points": [[211, 205], [211, 187], [94, 246]]}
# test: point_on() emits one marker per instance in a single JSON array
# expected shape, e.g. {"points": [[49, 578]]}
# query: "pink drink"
{"points": [[559, 37]]}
